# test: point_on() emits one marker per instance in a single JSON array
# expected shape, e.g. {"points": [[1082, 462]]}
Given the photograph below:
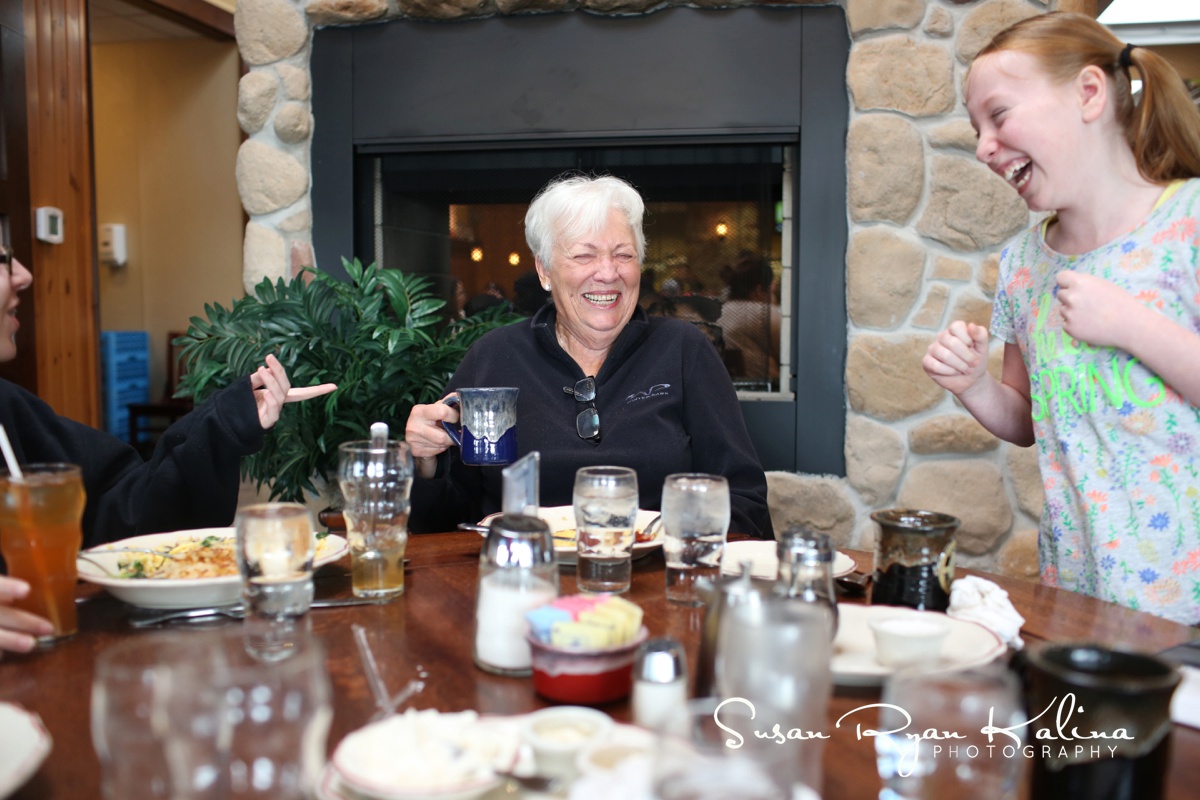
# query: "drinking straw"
{"points": [[379, 439], [14, 468], [379, 435], [25, 514]]}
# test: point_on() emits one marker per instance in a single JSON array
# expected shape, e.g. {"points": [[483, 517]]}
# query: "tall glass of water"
{"points": [[695, 516], [275, 549], [944, 697], [606, 506], [376, 480]]}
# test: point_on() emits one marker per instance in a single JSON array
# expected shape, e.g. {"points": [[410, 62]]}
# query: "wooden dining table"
{"points": [[428, 632]]}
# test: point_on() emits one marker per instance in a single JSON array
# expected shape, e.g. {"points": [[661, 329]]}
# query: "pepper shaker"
{"points": [[518, 571], [659, 682]]}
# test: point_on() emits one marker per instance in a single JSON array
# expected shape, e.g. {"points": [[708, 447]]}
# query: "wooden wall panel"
{"points": [[60, 173]]}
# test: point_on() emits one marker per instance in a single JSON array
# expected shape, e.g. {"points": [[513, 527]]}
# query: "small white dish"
{"points": [[24, 745], [855, 663], [905, 639], [764, 560], [172, 593], [561, 520], [557, 735]]}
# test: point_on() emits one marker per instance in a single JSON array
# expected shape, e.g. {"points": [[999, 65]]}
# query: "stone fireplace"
{"points": [[924, 225]]}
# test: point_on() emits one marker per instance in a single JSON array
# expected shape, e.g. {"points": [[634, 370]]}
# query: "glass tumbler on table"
{"points": [[943, 697], [275, 549], [695, 517], [376, 482], [40, 535], [606, 506]]}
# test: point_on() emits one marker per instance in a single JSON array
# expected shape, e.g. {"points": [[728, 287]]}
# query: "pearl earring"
{"points": [[546, 286]]}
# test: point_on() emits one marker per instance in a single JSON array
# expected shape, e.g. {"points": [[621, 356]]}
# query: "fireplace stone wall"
{"points": [[925, 222]]}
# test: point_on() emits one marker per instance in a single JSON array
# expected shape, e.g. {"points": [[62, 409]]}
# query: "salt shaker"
{"points": [[518, 571], [806, 570], [659, 682]]}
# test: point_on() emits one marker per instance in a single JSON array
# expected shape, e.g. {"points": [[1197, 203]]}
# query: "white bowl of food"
{"points": [[427, 755], [561, 520], [203, 571]]}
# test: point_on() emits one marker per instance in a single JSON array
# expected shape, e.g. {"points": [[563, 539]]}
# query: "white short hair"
{"points": [[574, 205]]}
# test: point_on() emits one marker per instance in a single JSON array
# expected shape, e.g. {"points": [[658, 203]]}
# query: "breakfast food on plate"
{"points": [[426, 751], [585, 622], [195, 557], [567, 536]]}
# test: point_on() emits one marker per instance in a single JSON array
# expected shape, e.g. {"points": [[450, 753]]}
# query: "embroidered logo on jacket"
{"points": [[657, 390]]}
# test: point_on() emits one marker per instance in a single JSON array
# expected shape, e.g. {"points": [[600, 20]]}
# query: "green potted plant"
{"points": [[380, 336]]}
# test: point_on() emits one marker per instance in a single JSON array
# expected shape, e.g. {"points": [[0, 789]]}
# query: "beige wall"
{"points": [[166, 140]]}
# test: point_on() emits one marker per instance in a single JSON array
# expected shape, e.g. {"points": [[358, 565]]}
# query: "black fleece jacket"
{"points": [[666, 405], [191, 480]]}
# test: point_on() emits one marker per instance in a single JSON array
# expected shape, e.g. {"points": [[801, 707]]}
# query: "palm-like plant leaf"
{"points": [[380, 336]]}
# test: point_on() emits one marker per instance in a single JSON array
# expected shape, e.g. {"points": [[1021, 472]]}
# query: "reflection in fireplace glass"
{"points": [[715, 225]]}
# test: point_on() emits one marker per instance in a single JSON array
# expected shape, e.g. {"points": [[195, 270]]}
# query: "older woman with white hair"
{"points": [[600, 381]]}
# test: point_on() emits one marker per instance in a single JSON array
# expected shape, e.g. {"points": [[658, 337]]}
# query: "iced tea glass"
{"points": [[40, 536], [376, 482]]}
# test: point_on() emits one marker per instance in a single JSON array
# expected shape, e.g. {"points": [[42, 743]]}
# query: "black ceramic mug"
{"points": [[1100, 722], [914, 559]]}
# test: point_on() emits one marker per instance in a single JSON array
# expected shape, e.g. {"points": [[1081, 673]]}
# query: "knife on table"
{"points": [[235, 611]]}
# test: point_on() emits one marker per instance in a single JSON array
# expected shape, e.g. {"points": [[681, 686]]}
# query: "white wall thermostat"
{"points": [[50, 224], [112, 245]]}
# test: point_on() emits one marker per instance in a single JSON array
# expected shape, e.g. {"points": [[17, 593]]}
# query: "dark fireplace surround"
{"points": [[679, 76]]}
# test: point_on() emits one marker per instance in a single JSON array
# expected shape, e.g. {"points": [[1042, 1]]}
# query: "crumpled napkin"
{"points": [[976, 599], [1185, 704]]}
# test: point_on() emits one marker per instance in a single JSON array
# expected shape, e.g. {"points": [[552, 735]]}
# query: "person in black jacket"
{"points": [[190, 481], [663, 400]]}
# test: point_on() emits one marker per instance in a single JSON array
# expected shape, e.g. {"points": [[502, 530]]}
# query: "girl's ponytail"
{"points": [[1164, 129]]}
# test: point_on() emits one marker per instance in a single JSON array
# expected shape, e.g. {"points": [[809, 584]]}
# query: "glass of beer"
{"points": [[376, 480], [40, 536]]}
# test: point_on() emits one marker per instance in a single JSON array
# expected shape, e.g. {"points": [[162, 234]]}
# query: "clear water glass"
{"points": [[606, 506], [275, 549], [697, 758], [945, 698], [376, 482], [158, 722], [774, 655], [695, 519]]}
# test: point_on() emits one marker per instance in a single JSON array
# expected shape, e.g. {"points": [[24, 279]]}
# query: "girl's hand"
{"points": [[1094, 310], [18, 628], [426, 437], [273, 389], [957, 358]]}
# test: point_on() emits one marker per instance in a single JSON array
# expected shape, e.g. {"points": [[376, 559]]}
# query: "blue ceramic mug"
{"points": [[487, 430]]}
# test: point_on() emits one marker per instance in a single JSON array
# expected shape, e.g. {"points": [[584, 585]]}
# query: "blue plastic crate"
{"points": [[125, 371], [117, 398]]}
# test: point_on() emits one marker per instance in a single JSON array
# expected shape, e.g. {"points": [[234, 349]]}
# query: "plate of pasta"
{"points": [[184, 569]]}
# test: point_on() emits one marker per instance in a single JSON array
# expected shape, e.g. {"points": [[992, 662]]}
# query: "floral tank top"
{"points": [[1119, 450]]}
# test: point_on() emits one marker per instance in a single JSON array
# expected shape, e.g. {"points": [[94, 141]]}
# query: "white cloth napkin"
{"points": [[1185, 704], [979, 600]]}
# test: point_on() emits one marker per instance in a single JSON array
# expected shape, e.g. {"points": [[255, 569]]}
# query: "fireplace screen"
{"points": [[715, 221]]}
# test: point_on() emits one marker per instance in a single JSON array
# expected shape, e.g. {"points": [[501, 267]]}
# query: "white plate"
{"points": [[331, 787], [179, 592], [561, 518], [24, 745], [968, 644], [764, 561]]}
